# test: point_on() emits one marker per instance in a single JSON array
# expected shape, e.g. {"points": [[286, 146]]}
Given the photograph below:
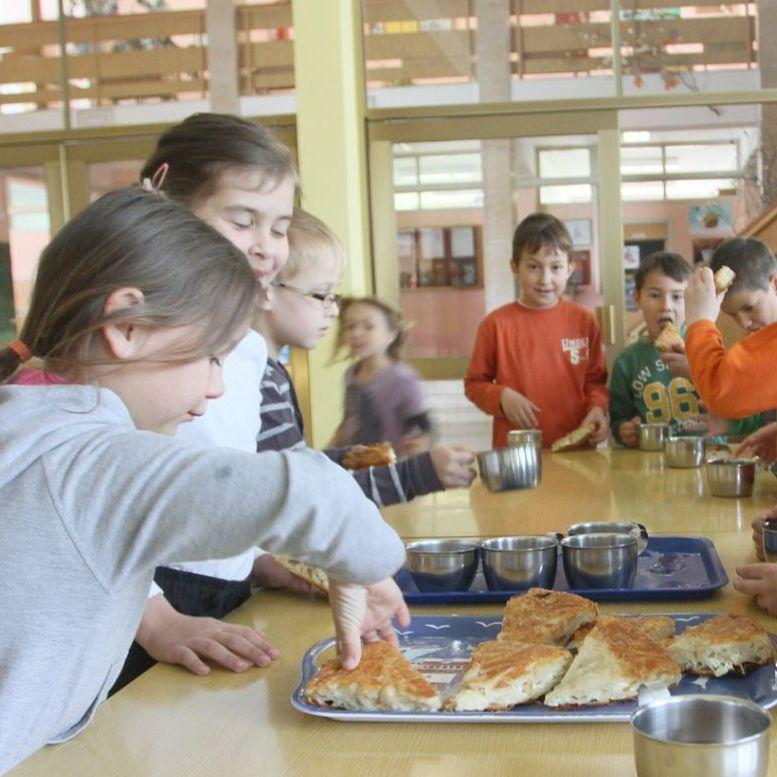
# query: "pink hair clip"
{"points": [[155, 183]]}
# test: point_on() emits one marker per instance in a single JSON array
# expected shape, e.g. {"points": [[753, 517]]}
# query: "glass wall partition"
{"points": [[421, 53]]}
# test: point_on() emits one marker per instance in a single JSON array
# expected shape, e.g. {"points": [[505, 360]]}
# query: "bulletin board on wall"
{"points": [[440, 257]]}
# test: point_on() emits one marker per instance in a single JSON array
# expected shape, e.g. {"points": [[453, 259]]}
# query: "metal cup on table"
{"points": [[519, 563], [699, 734], [769, 536], [504, 469], [684, 452], [600, 560], [636, 530], [652, 437]]}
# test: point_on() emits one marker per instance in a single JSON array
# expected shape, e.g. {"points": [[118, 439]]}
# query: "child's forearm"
{"points": [[737, 382]]}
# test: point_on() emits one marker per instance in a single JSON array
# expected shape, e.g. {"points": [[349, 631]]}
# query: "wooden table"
{"points": [[169, 722]]}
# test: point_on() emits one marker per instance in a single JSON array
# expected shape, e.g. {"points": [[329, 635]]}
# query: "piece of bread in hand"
{"points": [[546, 617], [574, 438], [669, 338], [613, 661], [658, 627], [361, 456], [503, 674], [383, 680], [723, 644], [723, 278], [310, 574]]}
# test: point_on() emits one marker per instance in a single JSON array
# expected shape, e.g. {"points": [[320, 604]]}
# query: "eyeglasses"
{"points": [[327, 300]]}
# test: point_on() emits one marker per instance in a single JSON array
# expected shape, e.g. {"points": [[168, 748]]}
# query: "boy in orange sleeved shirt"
{"points": [[538, 362], [740, 381]]}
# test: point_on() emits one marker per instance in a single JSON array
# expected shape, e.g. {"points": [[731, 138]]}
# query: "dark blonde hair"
{"points": [[311, 243], [133, 239], [394, 322], [200, 149]]}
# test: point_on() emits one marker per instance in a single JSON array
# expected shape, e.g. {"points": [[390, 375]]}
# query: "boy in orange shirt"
{"points": [[538, 362]]}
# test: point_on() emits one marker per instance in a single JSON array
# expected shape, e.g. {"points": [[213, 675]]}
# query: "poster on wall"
{"points": [[579, 231], [630, 257], [715, 218]]}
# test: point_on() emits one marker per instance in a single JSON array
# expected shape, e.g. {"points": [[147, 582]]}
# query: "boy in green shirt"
{"points": [[643, 388]]}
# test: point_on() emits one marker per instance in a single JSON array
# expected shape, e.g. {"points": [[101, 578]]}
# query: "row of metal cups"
{"points": [[595, 555], [725, 476]]}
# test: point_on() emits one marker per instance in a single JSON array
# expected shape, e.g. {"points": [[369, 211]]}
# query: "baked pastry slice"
{"points": [[669, 338], [723, 278], [611, 664], [310, 574], [383, 680], [574, 438], [658, 627], [545, 617], [723, 644], [503, 674], [361, 456]]}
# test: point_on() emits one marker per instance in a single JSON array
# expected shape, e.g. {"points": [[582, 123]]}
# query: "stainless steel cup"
{"points": [[613, 527], [701, 734], [769, 534], [521, 436], [652, 437], [504, 469], [731, 477], [684, 452], [442, 565], [519, 563], [600, 560]]}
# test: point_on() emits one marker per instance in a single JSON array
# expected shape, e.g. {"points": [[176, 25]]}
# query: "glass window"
{"points": [[701, 158], [450, 169], [559, 195], [406, 200], [565, 163], [645, 191], [698, 189], [641, 160], [405, 171], [24, 232], [456, 198]]}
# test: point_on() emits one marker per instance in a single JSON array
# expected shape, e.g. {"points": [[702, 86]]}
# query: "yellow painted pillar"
{"points": [[331, 147]]}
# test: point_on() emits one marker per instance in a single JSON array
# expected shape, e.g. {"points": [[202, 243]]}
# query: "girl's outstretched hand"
{"points": [[454, 466], [360, 611], [762, 443], [173, 638], [760, 582]]}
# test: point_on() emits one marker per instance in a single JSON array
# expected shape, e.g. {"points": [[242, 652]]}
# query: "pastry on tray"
{"points": [[543, 616], [310, 574], [723, 278], [723, 644], [574, 438], [669, 338], [658, 627], [383, 680], [502, 674], [613, 661], [378, 455]]}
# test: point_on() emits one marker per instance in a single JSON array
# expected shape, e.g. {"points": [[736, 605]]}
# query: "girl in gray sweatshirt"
{"points": [[129, 321]]}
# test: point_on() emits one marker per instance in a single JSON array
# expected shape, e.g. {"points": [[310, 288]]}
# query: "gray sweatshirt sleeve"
{"points": [[132, 501]]}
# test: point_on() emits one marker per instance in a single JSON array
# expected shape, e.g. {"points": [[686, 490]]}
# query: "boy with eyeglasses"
{"points": [[298, 312]]}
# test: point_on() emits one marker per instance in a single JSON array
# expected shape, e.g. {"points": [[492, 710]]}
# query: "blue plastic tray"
{"points": [[669, 568], [440, 647]]}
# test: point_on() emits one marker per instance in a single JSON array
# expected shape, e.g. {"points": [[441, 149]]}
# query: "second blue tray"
{"points": [[669, 568]]}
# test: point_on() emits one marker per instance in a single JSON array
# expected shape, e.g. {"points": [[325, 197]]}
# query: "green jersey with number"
{"points": [[642, 385]]}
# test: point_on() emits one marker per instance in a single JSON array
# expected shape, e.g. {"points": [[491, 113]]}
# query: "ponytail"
{"points": [[12, 356]]}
